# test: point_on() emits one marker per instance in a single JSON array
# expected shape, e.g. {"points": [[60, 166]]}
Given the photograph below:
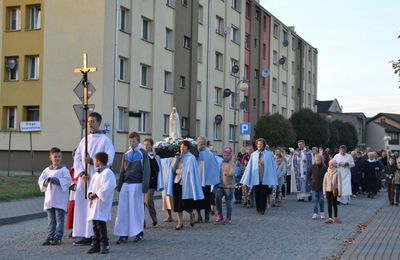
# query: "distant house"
{"points": [[381, 125], [329, 106]]}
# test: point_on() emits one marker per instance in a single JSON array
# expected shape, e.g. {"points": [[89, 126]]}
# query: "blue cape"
{"points": [[191, 186], [168, 175], [210, 175], [296, 169], [251, 175], [160, 178]]}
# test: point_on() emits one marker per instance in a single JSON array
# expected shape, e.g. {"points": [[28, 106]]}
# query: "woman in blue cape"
{"points": [[186, 183], [261, 174]]}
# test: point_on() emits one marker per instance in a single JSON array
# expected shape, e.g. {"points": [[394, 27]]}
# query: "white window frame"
{"points": [[142, 127], [34, 17], [17, 19], [235, 4], [231, 133], [219, 25], [275, 57], [145, 29], [198, 91], [232, 101], [217, 131], [122, 68], [121, 119], [218, 96], [186, 42], [273, 110], [246, 72], [123, 19], [166, 125], [167, 78], [276, 31], [218, 61], [284, 88], [15, 117], [144, 83], [199, 53], [184, 2], [33, 67], [168, 38], [234, 34], [247, 41], [275, 85], [182, 81], [200, 14]]}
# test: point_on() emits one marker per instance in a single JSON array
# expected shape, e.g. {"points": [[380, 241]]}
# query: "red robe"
{"points": [[70, 216]]}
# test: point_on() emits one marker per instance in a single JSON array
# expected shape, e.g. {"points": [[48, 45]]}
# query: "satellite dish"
{"points": [[243, 105], [243, 86], [11, 63], [265, 73], [218, 119], [235, 69], [227, 30], [227, 92], [282, 61], [285, 43]]}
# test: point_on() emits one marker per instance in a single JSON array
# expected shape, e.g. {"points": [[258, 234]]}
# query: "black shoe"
{"points": [[94, 249], [122, 240], [180, 227], [309, 198], [139, 237], [105, 249], [70, 235], [154, 223], [300, 200], [57, 241], [48, 242], [83, 242]]}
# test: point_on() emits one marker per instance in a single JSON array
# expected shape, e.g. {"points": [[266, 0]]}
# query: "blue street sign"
{"points": [[107, 127], [245, 128]]}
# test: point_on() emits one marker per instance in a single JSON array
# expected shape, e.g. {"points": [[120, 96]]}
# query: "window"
{"points": [[34, 17], [284, 88], [273, 111], [309, 77], [199, 53], [254, 102], [284, 65], [122, 69], [219, 25], [232, 101], [283, 111], [142, 122], [255, 42], [293, 93], [235, 4], [246, 72], [184, 123], [275, 57], [144, 75], [198, 91], [265, 23], [231, 133], [11, 117], [32, 113], [168, 33], [218, 61], [293, 68], [293, 43], [234, 63], [217, 131], [121, 119], [145, 35], [13, 63], [258, 14], [186, 42], [284, 35], [169, 2], [276, 31], [182, 82], [274, 85], [264, 51], [217, 96], [234, 34], [167, 78], [33, 67], [201, 14], [309, 99], [184, 2], [15, 19], [247, 41], [309, 55], [256, 74], [166, 125], [248, 10], [123, 20]]}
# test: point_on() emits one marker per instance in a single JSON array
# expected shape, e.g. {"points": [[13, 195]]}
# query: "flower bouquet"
{"points": [[169, 147]]}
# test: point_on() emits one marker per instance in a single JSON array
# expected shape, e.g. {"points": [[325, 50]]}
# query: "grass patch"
{"points": [[19, 187]]}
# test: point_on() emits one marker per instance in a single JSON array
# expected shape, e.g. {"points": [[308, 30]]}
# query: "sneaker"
{"points": [[322, 216], [139, 237], [328, 221], [227, 220], [48, 242], [57, 241], [218, 220], [335, 220], [122, 240], [83, 242], [354, 196], [314, 216], [94, 249], [105, 249]]}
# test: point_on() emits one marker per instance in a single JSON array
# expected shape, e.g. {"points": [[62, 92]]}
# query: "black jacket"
{"points": [[316, 177]]}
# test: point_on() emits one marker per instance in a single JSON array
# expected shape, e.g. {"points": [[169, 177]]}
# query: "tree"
{"points": [[333, 136], [276, 130], [354, 136], [396, 65], [311, 127], [346, 134]]}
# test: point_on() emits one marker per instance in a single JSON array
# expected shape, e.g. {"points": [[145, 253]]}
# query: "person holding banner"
{"points": [[302, 161]]}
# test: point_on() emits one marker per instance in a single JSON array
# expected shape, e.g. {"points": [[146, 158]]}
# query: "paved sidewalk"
{"points": [[380, 240]]}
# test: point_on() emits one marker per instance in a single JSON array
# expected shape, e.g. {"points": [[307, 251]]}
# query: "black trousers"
{"points": [[355, 188], [397, 190], [238, 193], [100, 233], [332, 201], [260, 195]]}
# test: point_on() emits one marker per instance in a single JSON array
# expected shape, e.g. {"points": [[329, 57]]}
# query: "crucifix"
{"points": [[85, 70]]}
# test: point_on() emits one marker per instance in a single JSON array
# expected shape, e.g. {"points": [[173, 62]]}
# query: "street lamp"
{"points": [[387, 139]]}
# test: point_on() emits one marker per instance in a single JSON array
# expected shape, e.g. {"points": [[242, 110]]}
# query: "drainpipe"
{"points": [[208, 67], [115, 70]]}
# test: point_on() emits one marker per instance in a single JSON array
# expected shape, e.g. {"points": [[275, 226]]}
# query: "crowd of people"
{"points": [[258, 178]]}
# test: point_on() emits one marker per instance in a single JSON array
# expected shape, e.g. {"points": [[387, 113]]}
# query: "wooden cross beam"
{"points": [[85, 68]]}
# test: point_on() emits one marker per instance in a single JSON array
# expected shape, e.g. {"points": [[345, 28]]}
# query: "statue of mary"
{"points": [[174, 125]]}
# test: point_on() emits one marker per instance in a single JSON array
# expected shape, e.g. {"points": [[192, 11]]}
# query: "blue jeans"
{"points": [[318, 198], [228, 194], [56, 222]]}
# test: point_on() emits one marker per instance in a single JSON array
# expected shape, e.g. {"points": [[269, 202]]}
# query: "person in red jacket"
{"points": [[70, 216]]}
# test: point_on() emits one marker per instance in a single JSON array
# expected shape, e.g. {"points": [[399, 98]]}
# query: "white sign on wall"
{"points": [[30, 126]]}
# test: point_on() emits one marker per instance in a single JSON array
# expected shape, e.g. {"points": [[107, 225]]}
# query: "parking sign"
{"points": [[245, 129]]}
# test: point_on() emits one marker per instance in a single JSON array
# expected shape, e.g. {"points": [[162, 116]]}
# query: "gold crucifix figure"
{"points": [[85, 68]]}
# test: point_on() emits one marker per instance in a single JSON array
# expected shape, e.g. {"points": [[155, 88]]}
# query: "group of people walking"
{"points": [[194, 183]]}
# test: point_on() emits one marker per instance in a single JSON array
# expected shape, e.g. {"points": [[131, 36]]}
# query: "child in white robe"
{"points": [[101, 193], [55, 181]]}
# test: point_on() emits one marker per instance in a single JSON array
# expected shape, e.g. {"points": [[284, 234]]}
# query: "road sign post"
{"points": [[30, 126]]}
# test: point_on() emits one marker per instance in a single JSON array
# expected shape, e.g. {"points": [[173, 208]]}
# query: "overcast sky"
{"points": [[356, 39]]}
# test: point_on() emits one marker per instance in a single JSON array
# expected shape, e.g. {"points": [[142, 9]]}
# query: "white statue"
{"points": [[174, 125]]}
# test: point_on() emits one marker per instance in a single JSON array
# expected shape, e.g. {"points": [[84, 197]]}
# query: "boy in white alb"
{"points": [[55, 181], [101, 193]]}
